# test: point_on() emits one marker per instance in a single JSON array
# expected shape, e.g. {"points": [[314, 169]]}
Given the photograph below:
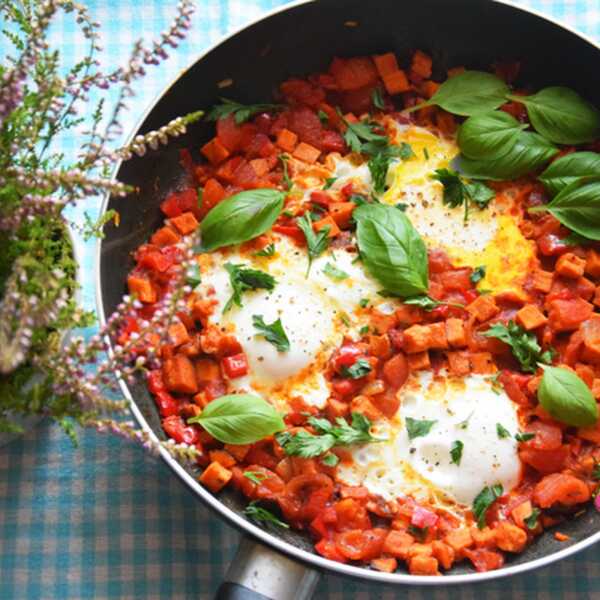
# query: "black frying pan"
{"points": [[299, 39]]}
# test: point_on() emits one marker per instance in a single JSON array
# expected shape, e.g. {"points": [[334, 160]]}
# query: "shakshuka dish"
{"points": [[391, 333]]}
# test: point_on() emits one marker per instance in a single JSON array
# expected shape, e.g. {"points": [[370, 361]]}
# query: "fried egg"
{"points": [[316, 312], [490, 237], [463, 410]]}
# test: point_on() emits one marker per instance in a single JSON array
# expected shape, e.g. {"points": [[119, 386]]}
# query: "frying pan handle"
{"points": [[259, 573]]}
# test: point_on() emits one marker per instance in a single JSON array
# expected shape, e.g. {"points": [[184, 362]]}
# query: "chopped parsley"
{"points": [[241, 112], [359, 369], [418, 428], [273, 333], [243, 279], [364, 302], [524, 345], [478, 274], [502, 431], [330, 459], [192, 277], [456, 450], [484, 500], [532, 520], [377, 98], [334, 273], [524, 437], [255, 476], [266, 251], [596, 471], [364, 330], [287, 182], [329, 182], [317, 242], [258, 513], [308, 445], [323, 117]]}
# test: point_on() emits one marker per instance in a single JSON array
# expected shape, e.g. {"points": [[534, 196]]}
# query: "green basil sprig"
{"points": [[239, 419], [568, 169], [561, 115], [239, 218], [469, 93], [489, 135], [566, 397], [530, 152], [577, 207], [392, 249]]}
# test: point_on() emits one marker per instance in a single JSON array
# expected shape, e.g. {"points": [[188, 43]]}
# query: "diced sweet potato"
{"points": [[380, 346], [222, 457], [418, 361], [483, 537], [386, 565], [341, 213], [395, 370], [396, 82], [178, 334], [437, 336], [215, 477], [567, 315], [522, 512], [306, 153], [571, 266], [560, 488], [592, 263], [531, 317], [590, 332], [260, 166], [207, 370], [481, 362], [418, 549], [179, 375], [214, 151], [327, 221], [421, 64], [455, 333], [397, 544], [509, 537], [238, 451], [287, 140], [165, 236], [444, 553], [423, 565], [458, 539], [416, 339], [142, 288], [385, 63], [185, 223], [596, 388], [364, 406], [597, 296], [483, 308], [458, 362], [585, 373], [542, 281]]}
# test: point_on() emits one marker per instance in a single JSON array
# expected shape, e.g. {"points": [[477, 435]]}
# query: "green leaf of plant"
{"points": [[240, 218], [316, 242], [392, 249], [273, 333], [262, 515], [418, 428], [359, 369], [239, 419], [334, 273], [489, 135], [456, 451], [530, 153], [566, 397], [569, 168], [243, 279], [561, 115], [578, 207], [241, 112], [502, 432], [484, 500], [469, 93]]}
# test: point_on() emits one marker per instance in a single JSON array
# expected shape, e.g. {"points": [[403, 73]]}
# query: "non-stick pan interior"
{"points": [[301, 40]]}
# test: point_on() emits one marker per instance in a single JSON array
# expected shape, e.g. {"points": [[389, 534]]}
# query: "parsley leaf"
{"points": [[377, 99], [243, 279], [596, 471], [332, 271], [532, 520], [457, 192], [416, 428], [359, 369], [524, 345], [363, 131], [273, 333], [382, 156], [287, 182], [425, 302], [329, 182], [456, 451], [241, 112], [258, 513], [484, 500], [255, 476], [478, 274], [524, 437], [266, 251], [364, 330], [317, 242], [364, 302], [502, 431], [323, 117], [193, 277], [308, 445], [330, 460]]}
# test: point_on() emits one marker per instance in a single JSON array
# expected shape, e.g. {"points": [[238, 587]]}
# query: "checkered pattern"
{"points": [[107, 521]]}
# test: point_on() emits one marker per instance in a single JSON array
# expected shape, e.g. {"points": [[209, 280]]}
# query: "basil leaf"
{"points": [[240, 218], [239, 419], [456, 451], [529, 153], [577, 207], [273, 333], [566, 397], [561, 115], [489, 135], [484, 500], [568, 169], [417, 428], [392, 249], [469, 93]]}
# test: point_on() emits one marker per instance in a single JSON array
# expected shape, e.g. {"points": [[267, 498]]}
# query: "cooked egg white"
{"points": [[464, 409], [316, 312]]}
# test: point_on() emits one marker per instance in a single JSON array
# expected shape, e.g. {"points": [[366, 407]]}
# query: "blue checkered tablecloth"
{"points": [[107, 521]]}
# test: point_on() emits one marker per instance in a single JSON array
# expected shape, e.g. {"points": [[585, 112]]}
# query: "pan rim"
{"points": [[231, 517]]}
